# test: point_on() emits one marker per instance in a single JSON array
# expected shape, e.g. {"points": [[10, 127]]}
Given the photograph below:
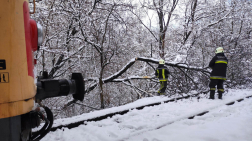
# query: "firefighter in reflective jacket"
{"points": [[162, 73], [218, 74]]}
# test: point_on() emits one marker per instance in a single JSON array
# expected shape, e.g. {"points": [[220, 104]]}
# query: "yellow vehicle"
{"points": [[20, 36]]}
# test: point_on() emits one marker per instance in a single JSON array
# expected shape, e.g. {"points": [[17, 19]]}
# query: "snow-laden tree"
{"points": [[116, 45]]}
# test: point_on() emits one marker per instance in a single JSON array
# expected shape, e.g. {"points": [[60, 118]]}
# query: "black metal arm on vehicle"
{"points": [[47, 88]]}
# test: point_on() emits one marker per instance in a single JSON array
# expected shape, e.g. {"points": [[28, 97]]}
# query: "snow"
{"points": [[167, 121]]}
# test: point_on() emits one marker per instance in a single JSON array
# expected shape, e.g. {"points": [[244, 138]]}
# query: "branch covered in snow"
{"points": [[178, 65], [113, 78]]}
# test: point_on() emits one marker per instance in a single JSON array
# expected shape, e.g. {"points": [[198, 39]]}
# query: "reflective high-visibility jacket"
{"points": [[219, 66], [162, 72]]}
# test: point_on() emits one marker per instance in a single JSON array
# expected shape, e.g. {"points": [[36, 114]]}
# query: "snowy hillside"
{"points": [[167, 122]]}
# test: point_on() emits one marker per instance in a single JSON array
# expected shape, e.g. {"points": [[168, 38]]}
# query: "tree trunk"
{"points": [[101, 93]]}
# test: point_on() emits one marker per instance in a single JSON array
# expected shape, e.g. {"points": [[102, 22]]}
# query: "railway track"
{"points": [[76, 124], [201, 113]]}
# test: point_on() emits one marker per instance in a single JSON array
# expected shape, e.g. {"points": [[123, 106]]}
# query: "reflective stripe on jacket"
{"points": [[219, 66], [162, 72]]}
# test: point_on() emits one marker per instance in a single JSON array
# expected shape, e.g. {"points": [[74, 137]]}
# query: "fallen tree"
{"points": [[115, 76]]}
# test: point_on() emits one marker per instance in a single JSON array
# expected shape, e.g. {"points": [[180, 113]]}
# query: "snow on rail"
{"points": [[189, 115], [135, 124], [100, 113], [139, 104]]}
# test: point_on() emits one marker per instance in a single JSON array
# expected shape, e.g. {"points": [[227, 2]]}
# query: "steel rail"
{"points": [[76, 124]]}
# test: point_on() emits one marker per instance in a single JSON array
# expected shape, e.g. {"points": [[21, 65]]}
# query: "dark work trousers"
{"points": [[220, 88], [163, 86]]}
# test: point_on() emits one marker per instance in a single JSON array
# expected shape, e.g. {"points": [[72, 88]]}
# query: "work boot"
{"points": [[220, 95], [212, 92]]}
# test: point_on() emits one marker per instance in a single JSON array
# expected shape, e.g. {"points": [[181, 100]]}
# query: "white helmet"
{"points": [[161, 61], [219, 50]]}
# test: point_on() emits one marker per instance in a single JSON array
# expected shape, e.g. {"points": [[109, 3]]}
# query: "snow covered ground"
{"points": [[166, 122]]}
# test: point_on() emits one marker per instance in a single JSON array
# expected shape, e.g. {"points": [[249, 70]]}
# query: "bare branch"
{"points": [[144, 25]]}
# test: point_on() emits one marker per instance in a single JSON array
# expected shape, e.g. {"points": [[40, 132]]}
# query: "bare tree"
{"points": [[101, 39]]}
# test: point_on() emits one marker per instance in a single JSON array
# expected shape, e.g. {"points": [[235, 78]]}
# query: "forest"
{"points": [[116, 45]]}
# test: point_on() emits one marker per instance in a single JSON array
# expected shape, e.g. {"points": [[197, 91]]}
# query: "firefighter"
{"points": [[162, 73], [218, 75]]}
